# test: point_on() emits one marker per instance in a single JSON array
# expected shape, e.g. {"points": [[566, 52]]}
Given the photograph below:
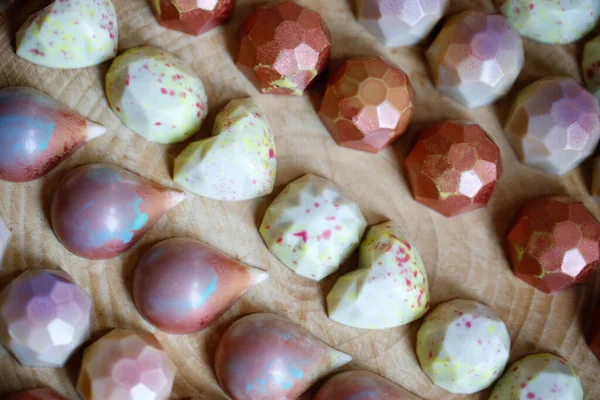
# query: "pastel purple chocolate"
{"points": [[37, 133], [265, 357], [361, 385], [182, 285], [101, 210]]}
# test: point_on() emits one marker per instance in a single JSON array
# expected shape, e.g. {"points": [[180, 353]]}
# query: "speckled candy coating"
{"points": [[193, 17], [551, 21], [554, 125], [476, 58], [361, 385], [539, 377], [283, 47], [70, 34], [156, 95], [101, 210], [36, 394], [388, 289], [463, 346], [554, 244], [237, 163], [37, 133], [590, 66], [182, 285], [453, 168], [312, 227], [126, 365], [265, 356], [400, 22], [368, 104], [44, 318]]}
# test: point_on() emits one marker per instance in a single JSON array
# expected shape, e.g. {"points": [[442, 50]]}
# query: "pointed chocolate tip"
{"points": [[94, 130], [339, 358], [176, 197], [257, 275]]}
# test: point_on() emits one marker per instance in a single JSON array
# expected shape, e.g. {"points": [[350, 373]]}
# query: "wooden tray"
{"points": [[464, 255]]}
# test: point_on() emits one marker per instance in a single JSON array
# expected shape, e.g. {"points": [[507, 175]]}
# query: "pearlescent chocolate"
{"points": [[265, 356], [37, 133], [101, 210], [70, 34], [361, 385], [44, 318], [182, 285], [192, 17], [388, 289]]}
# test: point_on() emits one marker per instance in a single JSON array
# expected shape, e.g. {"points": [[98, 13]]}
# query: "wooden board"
{"points": [[464, 256]]}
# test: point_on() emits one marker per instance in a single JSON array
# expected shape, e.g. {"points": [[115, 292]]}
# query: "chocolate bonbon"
{"points": [[37, 133], [237, 163], [182, 285], [101, 210], [70, 34], [156, 95], [44, 317], [368, 104], [192, 17], [361, 385], [36, 394], [265, 356], [312, 227], [388, 289]]}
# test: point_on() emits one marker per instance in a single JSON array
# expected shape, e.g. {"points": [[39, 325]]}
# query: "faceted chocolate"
{"points": [[368, 104], [126, 365], [555, 243], [476, 58], [463, 346], [36, 394], [265, 356], [361, 385], [453, 168], [44, 318], [400, 23], [193, 17], [283, 48]]}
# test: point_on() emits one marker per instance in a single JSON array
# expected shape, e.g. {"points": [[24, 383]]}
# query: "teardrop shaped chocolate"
{"points": [[361, 385], [265, 356], [101, 210], [37, 133], [182, 285]]}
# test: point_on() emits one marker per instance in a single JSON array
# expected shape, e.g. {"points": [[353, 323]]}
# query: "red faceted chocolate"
{"points": [[283, 48], [453, 168], [555, 244], [368, 104], [193, 17]]}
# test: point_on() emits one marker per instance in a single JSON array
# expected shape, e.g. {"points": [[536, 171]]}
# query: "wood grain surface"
{"points": [[464, 256]]}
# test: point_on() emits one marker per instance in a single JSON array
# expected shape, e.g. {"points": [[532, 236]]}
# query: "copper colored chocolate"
{"points": [[453, 168], [183, 285], [36, 394], [361, 385], [193, 17], [37, 133], [555, 244], [283, 47], [265, 356], [368, 104], [101, 210]]}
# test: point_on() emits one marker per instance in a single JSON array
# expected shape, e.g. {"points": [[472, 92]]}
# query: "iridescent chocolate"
{"points": [[554, 244], [453, 168], [368, 104], [193, 17], [37, 133], [265, 356], [361, 385], [400, 22], [183, 285], [476, 58], [554, 125], [44, 318], [101, 210], [126, 365], [36, 394], [283, 48]]}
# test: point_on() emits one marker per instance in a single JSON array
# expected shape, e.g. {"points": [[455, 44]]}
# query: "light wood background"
{"points": [[464, 256]]}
